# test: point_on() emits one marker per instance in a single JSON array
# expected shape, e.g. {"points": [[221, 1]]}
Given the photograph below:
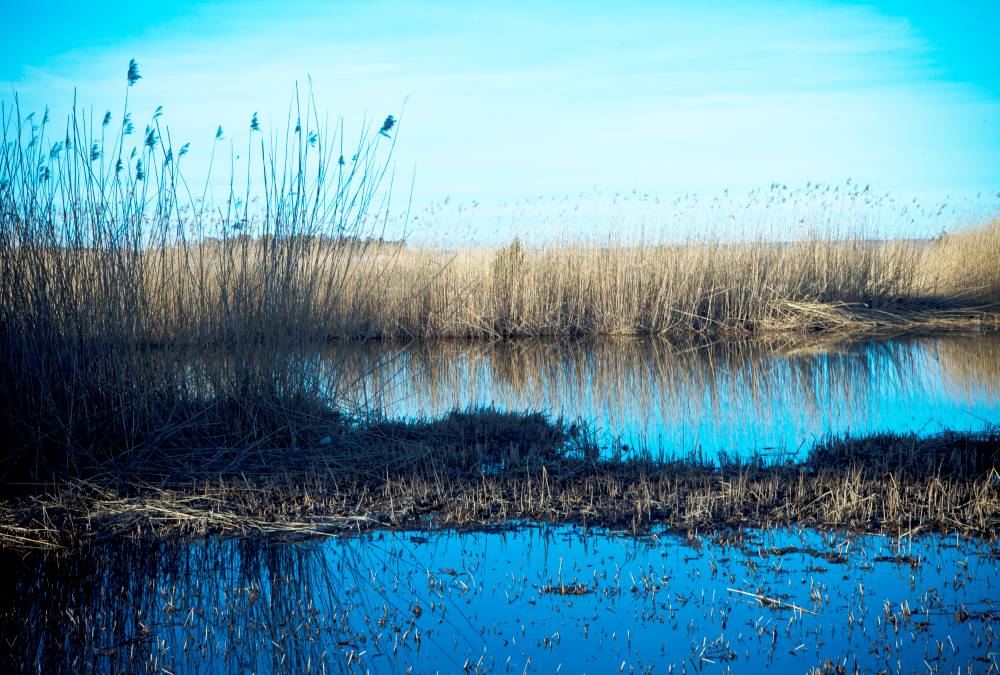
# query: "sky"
{"points": [[502, 103]]}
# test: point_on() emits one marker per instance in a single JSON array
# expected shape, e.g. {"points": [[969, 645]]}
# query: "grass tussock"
{"points": [[484, 468]]}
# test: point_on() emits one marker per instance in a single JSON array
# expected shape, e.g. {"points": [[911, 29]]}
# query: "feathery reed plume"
{"points": [[387, 126], [133, 73]]}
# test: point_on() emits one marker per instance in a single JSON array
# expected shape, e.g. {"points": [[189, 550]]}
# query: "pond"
{"points": [[529, 599], [669, 401]]}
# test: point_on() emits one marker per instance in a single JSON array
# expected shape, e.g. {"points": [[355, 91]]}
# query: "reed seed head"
{"points": [[133, 73]]}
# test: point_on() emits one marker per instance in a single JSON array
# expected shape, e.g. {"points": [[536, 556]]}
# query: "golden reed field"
{"points": [[245, 290]]}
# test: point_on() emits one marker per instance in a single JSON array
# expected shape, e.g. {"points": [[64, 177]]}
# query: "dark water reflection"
{"points": [[658, 397], [497, 601]]}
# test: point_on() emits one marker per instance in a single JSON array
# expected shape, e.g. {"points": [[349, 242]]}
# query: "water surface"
{"points": [[726, 397], [544, 600]]}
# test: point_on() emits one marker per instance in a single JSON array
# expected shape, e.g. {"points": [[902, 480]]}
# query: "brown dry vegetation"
{"points": [[680, 291], [488, 469], [281, 289]]}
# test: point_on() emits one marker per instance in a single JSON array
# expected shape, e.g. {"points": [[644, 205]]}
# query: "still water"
{"points": [[656, 397], [531, 599]]}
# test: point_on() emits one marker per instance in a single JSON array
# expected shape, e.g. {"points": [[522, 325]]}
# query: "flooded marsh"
{"points": [[893, 437], [824, 507], [527, 599]]}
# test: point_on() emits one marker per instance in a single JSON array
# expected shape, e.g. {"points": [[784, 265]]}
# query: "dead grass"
{"points": [[694, 289], [484, 468]]}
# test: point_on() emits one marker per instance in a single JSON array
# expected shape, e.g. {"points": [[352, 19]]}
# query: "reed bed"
{"points": [[116, 274], [317, 287], [696, 289]]}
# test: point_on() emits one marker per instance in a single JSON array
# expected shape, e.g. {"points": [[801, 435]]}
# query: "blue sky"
{"points": [[511, 100]]}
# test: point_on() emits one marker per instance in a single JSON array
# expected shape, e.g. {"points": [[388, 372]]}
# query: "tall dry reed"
{"points": [[114, 270], [698, 288]]}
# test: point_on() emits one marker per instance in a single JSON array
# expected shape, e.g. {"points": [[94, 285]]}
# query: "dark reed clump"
{"points": [[119, 279], [949, 455]]}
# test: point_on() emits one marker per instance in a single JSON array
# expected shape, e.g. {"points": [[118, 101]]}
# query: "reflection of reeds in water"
{"points": [[730, 391], [131, 606], [971, 366], [442, 601]]}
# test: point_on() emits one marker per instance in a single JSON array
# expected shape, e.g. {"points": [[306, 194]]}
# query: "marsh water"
{"points": [[562, 599], [525, 600], [652, 396]]}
